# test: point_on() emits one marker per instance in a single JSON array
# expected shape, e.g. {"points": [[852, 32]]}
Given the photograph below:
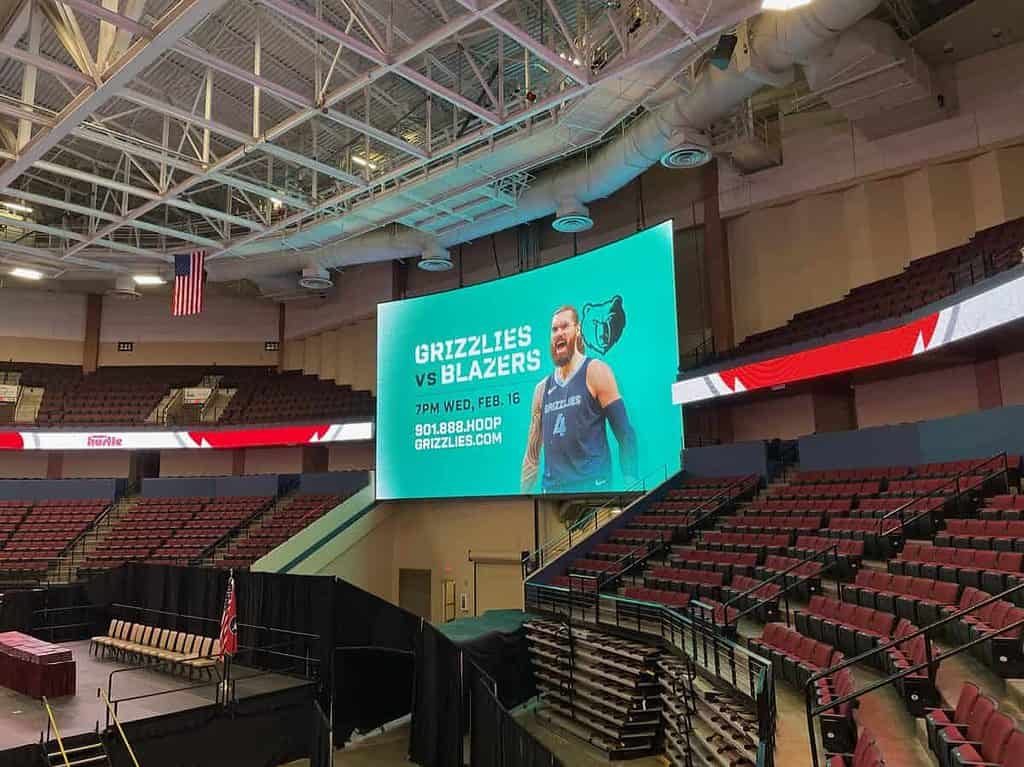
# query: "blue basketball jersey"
{"points": [[576, 454]]}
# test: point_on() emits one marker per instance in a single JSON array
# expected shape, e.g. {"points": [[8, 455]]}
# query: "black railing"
{"points": [[782, 574], [590, 523], [940, 498], [749, 674], [282, 651], [931, 662], [700, 355], [63, 624], [642, 553]]}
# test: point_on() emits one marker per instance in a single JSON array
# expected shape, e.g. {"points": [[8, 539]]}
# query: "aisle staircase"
{"points": [[252, 525], [29, 400], [65, 569]]}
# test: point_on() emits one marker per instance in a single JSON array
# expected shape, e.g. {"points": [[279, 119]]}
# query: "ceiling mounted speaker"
{"points": [[124, 290], [572, 216], [435, 259], [721, 56], [315, 278]]}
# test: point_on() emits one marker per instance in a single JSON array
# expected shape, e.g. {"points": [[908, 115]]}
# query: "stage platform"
{"points": [[22, 718]]}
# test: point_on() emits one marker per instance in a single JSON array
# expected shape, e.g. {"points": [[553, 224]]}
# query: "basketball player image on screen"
{"points": [[571, 410]]}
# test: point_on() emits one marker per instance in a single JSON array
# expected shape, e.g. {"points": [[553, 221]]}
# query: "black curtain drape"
{"points": [[213, 735], [496, 739], [373, 666], [438, 719], [505, 658]]}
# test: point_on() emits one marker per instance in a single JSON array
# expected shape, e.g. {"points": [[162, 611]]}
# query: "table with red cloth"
{"points": [[34, 667]]}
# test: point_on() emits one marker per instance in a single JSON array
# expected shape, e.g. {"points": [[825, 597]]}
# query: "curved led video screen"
{"points": [[552, 381]]}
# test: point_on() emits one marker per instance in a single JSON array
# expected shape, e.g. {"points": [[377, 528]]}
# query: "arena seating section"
{"points": [[904, 546], [285, 522], [128, 395], [924, 281], [33, 534], [294, 397], [172, 530]]}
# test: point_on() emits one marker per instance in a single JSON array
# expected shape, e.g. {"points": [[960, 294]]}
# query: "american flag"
{"points": [[229, 621], [187, 297]]}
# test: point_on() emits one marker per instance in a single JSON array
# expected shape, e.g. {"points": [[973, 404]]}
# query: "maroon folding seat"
{"points": [[992, 747]]}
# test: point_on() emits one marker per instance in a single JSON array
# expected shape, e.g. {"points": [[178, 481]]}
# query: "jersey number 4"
{"points": [[559, 430]]}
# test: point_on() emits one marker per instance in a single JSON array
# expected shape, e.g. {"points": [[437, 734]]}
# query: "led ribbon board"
{"points": [[468, 399], [272, 436], [977, 314]]}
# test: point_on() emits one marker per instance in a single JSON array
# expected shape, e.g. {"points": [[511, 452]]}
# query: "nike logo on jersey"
{"points": [[552, 390]]}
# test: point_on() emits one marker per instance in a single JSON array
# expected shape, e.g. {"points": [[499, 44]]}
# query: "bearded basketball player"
{"points": [[570, 409]]}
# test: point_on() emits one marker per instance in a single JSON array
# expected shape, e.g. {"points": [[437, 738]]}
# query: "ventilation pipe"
{"points": [[778, 41], [381, 245]]}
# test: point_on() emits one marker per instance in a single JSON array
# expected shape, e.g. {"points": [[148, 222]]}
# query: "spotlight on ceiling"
{"points": [[276, 203], [362, 162], [435, 259], [721, 56], [17, 206], [783, 5], [26, 274], [148, 279]]}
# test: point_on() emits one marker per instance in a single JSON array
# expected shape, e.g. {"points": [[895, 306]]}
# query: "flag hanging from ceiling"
{"points": [[187, 297], [229, 621]]}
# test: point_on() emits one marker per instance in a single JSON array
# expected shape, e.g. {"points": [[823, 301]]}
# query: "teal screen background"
{"points": [[444, 439]]}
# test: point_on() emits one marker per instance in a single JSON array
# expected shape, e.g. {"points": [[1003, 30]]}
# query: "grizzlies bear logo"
{"points": [[603, 324]]}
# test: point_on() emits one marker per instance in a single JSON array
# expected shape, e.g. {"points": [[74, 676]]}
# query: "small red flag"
{"points": [[229, 621]]}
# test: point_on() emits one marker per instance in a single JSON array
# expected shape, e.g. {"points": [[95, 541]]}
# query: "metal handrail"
{"points": [[784, 592], [671, 628], [954, 481], [930, 662], [832, 549], [56, 732], [117, 722], [585, 521]]}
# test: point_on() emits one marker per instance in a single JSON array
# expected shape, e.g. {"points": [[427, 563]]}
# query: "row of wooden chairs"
{"points": [[178, 650]]}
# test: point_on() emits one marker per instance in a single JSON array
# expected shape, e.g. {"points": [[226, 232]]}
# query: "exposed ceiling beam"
{"points": [[397, 65], [118, 20], [70, 74], [541, 51], [299, 118], [176, 23], [18, 25]]}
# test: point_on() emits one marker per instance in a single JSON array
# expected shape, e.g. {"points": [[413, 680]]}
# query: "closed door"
{"points": [[414, 592]]}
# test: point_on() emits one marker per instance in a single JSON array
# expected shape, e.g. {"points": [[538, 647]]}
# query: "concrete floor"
{"points": [[22, 718]]}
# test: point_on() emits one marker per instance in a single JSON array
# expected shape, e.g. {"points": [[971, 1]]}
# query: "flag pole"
{"points": [[225, 655]]}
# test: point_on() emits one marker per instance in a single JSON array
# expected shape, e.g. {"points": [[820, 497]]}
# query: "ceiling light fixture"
{"points": [[148, 279], [783, 5], [17, 206], [26, 274], [363, 162], [276, 203]]}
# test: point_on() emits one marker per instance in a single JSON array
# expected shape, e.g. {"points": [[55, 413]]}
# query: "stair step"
{"points": [[76, 750]]}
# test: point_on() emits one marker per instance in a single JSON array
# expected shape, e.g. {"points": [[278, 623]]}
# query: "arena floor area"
{"points": [[24, 718]]}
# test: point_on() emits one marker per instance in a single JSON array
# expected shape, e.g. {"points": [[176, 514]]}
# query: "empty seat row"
{"points": [[1003, 652], [799, 657], [993, 571], [176, 650], [920, 600], [697, 583], [1001, 535], [844, 625], [974, 733], [828, 490], [728, 562]]}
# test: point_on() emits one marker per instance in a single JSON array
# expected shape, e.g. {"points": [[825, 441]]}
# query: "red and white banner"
{"points": [[270, 436], [977, 314]]}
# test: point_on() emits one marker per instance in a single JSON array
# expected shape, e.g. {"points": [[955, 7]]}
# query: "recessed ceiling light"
{"points": [[148, 279], [363, 162], [17, 206], [26, 274], [783, 5]]}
